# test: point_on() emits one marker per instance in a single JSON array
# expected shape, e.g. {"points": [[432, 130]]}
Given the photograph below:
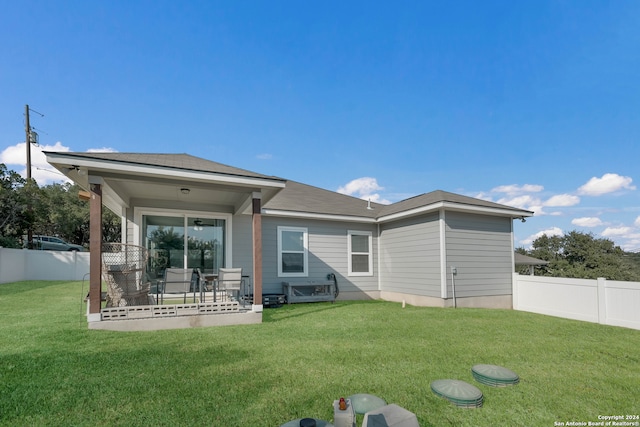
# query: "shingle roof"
{"points": [[521, 259], [175, 161], [441, 196], [298, 197]]}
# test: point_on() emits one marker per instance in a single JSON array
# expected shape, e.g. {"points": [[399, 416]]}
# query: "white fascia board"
{"points": [[453, 207], [168, 172], [310, 215], [423, 209], [487, 210]]}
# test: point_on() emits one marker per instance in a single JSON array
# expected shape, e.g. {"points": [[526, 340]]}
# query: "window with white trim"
{"points": [[360, 248], [293, 252]]}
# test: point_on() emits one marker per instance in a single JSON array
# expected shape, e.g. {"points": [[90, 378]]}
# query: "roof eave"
{"points": [[315, 215], [58, 159], [450, 206]]}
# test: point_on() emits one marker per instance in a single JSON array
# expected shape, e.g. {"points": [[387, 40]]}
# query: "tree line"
{"points": [[581, 255], [51, 210]]}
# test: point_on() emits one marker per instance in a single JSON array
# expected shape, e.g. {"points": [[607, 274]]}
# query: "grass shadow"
{"points": [[292, 311], [14, 288]]}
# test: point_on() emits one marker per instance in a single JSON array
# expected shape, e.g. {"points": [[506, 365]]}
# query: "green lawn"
{"points": [[54, 371]]}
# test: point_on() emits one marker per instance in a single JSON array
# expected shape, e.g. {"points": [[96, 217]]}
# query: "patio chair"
{"points": [[179, 281], [123, 270], [230, 280]]}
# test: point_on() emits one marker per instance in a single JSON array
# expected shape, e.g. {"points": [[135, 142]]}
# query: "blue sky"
{"points": [[534, 104]]}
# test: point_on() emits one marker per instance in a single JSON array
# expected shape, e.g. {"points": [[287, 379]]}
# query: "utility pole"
{"points": [[30, 138], [27, 129]]}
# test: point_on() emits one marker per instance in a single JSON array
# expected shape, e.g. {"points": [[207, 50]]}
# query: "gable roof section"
{"points": [[442, 199], [298, 199], [183, 161]]}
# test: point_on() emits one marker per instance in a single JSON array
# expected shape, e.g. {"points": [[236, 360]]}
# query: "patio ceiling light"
{"points": [[185, 190]]}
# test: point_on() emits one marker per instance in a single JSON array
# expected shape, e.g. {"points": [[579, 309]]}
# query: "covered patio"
{"points": [[186, 212]]}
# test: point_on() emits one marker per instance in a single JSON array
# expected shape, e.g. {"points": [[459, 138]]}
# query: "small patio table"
{"points": [[213, 279]]}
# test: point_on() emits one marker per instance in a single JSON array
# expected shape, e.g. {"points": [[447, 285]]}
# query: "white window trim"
{"points": [[305, 240], [350, 253]]}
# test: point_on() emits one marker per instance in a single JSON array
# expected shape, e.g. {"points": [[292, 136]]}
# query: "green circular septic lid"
{"points": [[296, 423], [495, 376], [458, 392], [363, 403]]}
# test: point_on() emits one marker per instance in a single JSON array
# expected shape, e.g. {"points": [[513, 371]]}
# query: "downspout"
{"points": [[379, 260], [513, 263], [454, 271]]}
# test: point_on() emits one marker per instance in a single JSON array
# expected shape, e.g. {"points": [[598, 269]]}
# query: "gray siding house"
{"points": [[436, 249]]}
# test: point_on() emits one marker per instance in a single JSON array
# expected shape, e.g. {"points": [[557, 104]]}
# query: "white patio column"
{"points": [[257, 251], [95, 247]]}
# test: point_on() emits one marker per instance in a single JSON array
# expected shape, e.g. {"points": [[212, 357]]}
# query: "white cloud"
{"points": [[524, 197], [553, 231], [41, 171], [537, 210], [637, 222], [15, 157], [631, 243], [609, 183], [17, 154], [102, 150], [360, 186], [365, 188], [264, 156], [484, 196], [586, 222], [524, 202], [514, 189], [562, 200], [616, 231]]}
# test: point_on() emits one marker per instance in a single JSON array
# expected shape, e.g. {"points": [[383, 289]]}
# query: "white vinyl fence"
{"points": [[21, 264], [600, 301]]}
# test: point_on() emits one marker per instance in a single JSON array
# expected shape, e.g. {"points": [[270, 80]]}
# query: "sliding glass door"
{"points": [[205, 244], [184, 241]]}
